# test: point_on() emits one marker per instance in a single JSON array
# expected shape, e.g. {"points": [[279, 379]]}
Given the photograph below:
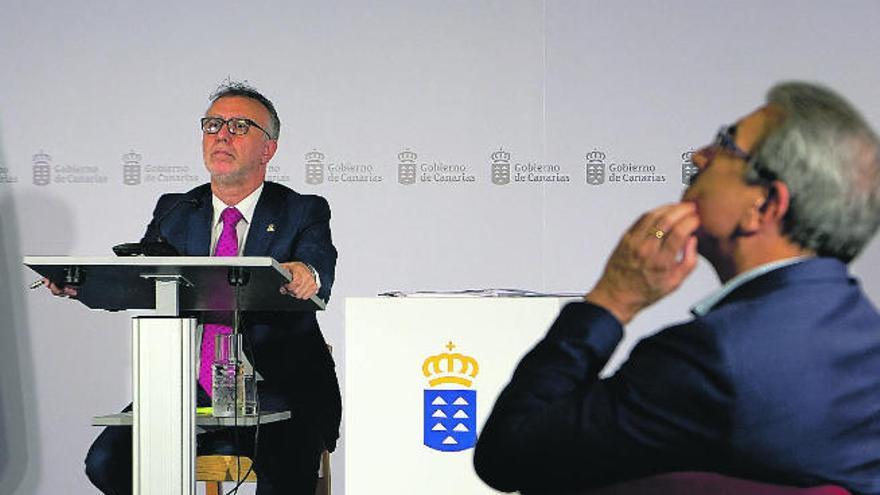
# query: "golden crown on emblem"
{"points": [[450, 368]]}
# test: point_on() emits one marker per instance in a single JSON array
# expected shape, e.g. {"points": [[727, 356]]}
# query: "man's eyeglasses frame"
{"points": [[237, 126]]}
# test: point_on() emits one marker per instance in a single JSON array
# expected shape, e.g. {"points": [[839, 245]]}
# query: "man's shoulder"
{"points": [[198, 192], [275, 192], [800, 284], [798, 303], [198, 195]]}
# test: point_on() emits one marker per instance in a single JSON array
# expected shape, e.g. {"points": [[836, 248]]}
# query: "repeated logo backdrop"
{"points": [[132, 171], [317, 171], [500, 171]]}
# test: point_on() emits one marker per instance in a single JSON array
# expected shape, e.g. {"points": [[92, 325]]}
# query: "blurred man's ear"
{"points": [[769, 209], [776, 202], [269, 148]]}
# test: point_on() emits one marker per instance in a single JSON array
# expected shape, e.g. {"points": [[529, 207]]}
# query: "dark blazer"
{"points": [[779, 382], [286, 348]]}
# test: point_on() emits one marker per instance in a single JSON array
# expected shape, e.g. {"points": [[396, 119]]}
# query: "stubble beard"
{"points": [[228, 179], [235, 177]]}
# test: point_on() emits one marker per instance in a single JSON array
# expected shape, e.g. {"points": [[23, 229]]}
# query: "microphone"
{"points": [[160, 246]]}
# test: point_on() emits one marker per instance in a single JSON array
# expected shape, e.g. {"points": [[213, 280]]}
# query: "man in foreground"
{"points": [[240, 214], [777, 377]]}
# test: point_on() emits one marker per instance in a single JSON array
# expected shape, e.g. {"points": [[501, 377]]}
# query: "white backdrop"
{"points": [[84, 83]]}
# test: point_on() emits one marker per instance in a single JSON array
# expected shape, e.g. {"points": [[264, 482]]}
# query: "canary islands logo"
{"points": [[450, 412], [500, 167], [595, 167], [131, 168], [42, 168], [314, 167], [406, 169], [688, 169]]}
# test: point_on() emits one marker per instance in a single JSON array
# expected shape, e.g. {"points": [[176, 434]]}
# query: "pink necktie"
{"points": [[227, 245]]}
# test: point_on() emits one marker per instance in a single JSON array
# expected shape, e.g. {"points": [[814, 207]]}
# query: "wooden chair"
{"points": [[214, 470]]}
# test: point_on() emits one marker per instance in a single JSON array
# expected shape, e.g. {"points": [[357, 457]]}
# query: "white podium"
{"points": [[421, 375], [164, 362]]}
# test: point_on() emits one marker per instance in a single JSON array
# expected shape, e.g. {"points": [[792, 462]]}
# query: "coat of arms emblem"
{"points": [[450, 405]]}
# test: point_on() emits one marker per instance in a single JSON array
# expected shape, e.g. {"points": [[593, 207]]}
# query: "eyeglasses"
{"points": [[237, 126], [724, 141]]}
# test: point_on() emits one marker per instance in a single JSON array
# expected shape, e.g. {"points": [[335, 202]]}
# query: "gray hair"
{"points": [[829, 158], [245, 90]]}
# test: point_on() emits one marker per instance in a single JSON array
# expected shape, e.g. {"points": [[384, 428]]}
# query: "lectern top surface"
{"points": [[129, 282], [248, 261]]}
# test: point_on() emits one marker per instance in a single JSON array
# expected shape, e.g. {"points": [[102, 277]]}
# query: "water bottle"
{"points": [[233, 384], [225, 373]]}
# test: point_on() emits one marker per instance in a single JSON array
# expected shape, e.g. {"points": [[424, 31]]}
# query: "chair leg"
{"points": [[324, 486], [213, 488]]}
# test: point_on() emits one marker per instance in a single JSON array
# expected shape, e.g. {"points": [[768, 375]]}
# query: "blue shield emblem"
{"points": [[450, 418]]}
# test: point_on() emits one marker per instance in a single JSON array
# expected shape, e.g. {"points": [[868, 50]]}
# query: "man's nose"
{"points": [[223, 133]]}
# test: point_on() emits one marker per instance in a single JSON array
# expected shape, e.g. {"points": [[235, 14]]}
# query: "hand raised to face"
{"points": [[651, 260]]}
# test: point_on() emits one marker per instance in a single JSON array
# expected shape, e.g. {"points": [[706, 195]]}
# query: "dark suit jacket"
{"points": [[286, 348], [779, 382]]}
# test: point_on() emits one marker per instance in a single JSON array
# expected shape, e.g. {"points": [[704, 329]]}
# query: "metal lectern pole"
{"points": [[163, 387]]}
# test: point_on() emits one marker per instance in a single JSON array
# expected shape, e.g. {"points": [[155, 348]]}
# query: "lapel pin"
{"points": [[270, 227]]}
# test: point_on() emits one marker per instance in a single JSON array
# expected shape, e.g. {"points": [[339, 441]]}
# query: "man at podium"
{"points": [[239, 213]]}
